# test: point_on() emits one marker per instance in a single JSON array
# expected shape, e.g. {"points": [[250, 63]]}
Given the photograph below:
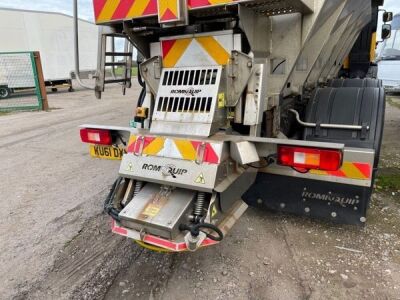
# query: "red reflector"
{"points": [[96, 136], [309, 158]]}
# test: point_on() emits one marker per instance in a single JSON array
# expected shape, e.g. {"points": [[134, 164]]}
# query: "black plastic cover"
{"points": [[350, 106], [366, 82]]}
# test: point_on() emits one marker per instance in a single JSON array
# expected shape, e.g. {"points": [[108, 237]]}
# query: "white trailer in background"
{"points": [[52, 35], [389, 59]]}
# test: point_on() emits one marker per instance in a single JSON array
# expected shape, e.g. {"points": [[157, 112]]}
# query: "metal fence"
{"points": [[20, 84]]}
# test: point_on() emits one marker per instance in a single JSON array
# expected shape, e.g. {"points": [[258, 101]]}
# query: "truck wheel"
{"points": [[4, 92]]}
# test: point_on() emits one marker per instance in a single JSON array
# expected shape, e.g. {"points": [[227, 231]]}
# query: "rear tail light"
{"points": [[96, 136], [309, 158]]}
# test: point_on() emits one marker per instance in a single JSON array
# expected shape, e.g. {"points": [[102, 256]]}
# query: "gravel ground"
{"points": [[57, 244]]}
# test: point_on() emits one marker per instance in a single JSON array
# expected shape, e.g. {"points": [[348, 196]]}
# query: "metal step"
{"points": [[123, 80], [125, 63], [107, 64], [118, 54]]}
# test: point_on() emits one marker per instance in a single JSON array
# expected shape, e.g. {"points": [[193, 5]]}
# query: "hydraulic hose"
{"points": [[195, 230], [109, 202], [142, 95]]}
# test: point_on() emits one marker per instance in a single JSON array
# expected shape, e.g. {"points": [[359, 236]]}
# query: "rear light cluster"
{"points": [[96, 136], [309, 158]]}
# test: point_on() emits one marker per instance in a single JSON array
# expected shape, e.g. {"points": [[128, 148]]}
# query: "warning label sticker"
{"points": [[151, 210], [200, 179], [221, 100]]}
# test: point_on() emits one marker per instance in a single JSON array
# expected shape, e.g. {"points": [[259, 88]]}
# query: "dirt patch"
{"points": [[265, 256], [394, 101]]}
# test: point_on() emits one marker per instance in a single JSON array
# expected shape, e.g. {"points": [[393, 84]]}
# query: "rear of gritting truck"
{"points": [[240, 105]]}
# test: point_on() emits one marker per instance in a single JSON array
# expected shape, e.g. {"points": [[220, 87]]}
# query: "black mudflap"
{"points": [[340, 203]]}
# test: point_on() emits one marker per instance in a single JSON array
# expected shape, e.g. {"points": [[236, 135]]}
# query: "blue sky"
{"points": [[63, 6], [86, 10]]}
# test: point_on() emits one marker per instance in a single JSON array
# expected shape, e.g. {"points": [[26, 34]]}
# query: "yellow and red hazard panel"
{"points": [[202, 50], [174, 148], [351, 170], [169, 11], [114, 10], [118, 10]]}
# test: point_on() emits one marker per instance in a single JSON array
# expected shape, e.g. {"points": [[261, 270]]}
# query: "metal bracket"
{"points": [[257, 28], [138, 41], [364, 130], [238, 71], [318, 128], [140, 140], [200, 151], [151, 72]]}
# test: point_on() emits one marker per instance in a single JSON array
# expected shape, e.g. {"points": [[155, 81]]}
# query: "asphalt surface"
{"points": [[56, 242]]}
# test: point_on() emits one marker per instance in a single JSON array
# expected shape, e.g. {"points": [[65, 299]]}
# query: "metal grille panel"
{"points": [[185, 92], [186, 97]]}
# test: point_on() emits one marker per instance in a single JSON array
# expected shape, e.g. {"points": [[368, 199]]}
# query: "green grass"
{"points": [[389, 181], [119, 70], [393, 102]]}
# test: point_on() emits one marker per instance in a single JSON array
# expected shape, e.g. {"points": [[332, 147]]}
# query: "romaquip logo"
{"points": [[187, 92], [167, 170], [343, 201]]}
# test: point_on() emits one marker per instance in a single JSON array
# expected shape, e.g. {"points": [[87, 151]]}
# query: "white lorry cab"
{"points": [[389, 59]]}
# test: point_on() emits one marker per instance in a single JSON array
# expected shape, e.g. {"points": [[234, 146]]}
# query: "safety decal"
{"points": [[115, 10], [221, 100], [352, 170], [174, 148], [214, 211], [168, 10], [129, 167], [200, 179], [110, 10], [209, 49], [205, 3]]}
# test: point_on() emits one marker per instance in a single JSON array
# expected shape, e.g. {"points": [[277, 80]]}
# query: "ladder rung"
{"points": [[116, 80], [115, 64], [118, 54]]}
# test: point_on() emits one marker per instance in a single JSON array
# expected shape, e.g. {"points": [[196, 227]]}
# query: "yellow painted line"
{"points": [[176, 52], [108, 10], [137, 8], [154, 147], [214, 49], [351, 171], [186, 149]]}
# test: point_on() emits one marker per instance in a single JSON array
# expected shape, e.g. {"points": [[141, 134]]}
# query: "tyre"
{"points": [[4, 92]]}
